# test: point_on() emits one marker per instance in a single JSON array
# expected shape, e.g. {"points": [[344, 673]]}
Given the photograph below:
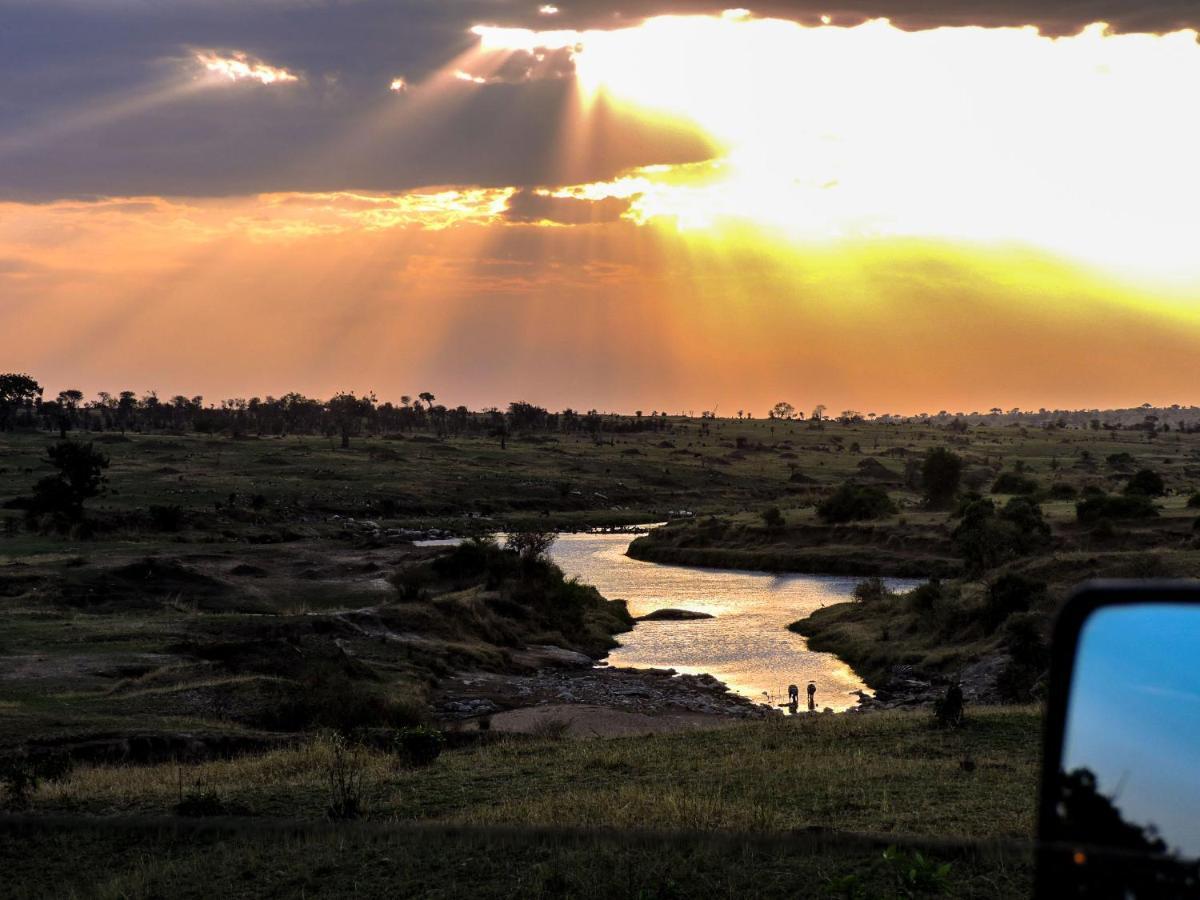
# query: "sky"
{"points": [[885, 206], [1134, 716]]}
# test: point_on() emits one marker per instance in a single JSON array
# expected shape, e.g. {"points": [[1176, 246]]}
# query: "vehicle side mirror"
{"points": [[1119, 811]]}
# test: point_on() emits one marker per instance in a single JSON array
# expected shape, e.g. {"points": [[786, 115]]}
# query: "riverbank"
{"points": [[897, 551]]}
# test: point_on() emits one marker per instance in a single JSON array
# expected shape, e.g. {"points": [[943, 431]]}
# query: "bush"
{"points": [[927, 596], [22, 774], [988, 536], [1009, 594], [332, 700], [1146, 483], [468, 560], [871, 590], [1119, 460], [772, 518], [201, 802], [165, 518], [1014, 483], [418, 746], [1096, 508], [1030, 657], [1061, 491], [855, 502], [1194, 501], [530, 545], [345, 775]]}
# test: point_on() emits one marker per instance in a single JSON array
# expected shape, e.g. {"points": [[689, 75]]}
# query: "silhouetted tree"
{"points": [[17, 392], [941, 473], [347, 412], [80, 476]]}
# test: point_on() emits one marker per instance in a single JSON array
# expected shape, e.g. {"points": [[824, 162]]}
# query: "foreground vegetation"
{"points": [[898, 775]]}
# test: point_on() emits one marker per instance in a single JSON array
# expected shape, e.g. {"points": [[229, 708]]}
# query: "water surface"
{"points": [[747, 644]]}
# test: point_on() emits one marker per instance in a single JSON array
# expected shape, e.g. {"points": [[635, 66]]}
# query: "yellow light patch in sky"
{"points": [[1079, 145], [240, 66]]}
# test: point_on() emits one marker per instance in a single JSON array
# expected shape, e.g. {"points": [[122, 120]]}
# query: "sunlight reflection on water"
{"points": [[747, 645]]}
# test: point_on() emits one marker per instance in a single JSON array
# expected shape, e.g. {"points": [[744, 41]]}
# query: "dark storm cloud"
{"points": [[75, 74], [1052, 17], [529, 206]]}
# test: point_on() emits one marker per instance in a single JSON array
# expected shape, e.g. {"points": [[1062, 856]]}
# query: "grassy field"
{"points": [[234, 597], [895, 775]]}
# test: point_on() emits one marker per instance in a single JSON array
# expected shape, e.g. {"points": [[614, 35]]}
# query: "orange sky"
{"points": [[861, 217]]}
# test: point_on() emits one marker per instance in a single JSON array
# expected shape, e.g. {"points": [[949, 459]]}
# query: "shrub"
{"points": [[165, 518], [772, 518], [22, 774], [530, 545], [1014, 483], [1146, 483], [948, 709], [1096, 508], [855, 502], [418, 746], [1119, 460], [1194, 501], [871, 590], [468, 560], [1030, 657], [988, 536], [332, 700], [345, 776], [552, 729], [201, 802], [927, 596], [1061, 491], [1009, 594]]}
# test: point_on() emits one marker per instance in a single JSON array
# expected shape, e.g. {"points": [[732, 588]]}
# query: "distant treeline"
{"points": [[23, 404]]}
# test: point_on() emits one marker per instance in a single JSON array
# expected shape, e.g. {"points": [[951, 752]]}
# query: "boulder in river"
{"points": [[673, 615]]}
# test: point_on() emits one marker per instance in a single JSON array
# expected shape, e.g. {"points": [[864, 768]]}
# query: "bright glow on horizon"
{"points": [[398, 86], [1076, 145], [240, 66]]}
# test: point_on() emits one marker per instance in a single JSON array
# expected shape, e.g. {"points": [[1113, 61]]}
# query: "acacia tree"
{"points": [[68, 405], [17, 392], [941, 473], [80, 476], [783, 410], [347, 412]]}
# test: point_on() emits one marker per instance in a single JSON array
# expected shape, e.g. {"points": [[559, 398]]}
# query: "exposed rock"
{"points": [[672, 615]]}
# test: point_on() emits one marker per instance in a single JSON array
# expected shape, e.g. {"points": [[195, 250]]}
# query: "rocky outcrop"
{"points": [[908, 688], [647, 691], [673, 615]]}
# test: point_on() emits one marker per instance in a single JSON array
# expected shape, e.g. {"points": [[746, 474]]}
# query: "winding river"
{"points": [[747, 644]]}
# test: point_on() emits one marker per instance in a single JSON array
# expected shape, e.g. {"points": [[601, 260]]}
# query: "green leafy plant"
{"points": [[915, 874]]}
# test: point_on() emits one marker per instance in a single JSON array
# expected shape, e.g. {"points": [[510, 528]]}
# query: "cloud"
{"points": [[77, 60], [522, 66], [541, 206], [240, 66]]}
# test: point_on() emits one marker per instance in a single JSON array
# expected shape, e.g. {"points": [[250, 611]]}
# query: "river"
{"points": [[747, 644]]}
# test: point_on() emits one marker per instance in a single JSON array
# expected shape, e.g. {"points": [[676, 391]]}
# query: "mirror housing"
{"points": [[1122, 711]]}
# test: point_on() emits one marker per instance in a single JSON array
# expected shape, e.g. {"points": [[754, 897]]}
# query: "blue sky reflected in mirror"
{"points": [[1134, 716]]}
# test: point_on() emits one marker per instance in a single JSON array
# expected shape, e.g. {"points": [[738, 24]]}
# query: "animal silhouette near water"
{"points": [[793, 695], [812, 694]]}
